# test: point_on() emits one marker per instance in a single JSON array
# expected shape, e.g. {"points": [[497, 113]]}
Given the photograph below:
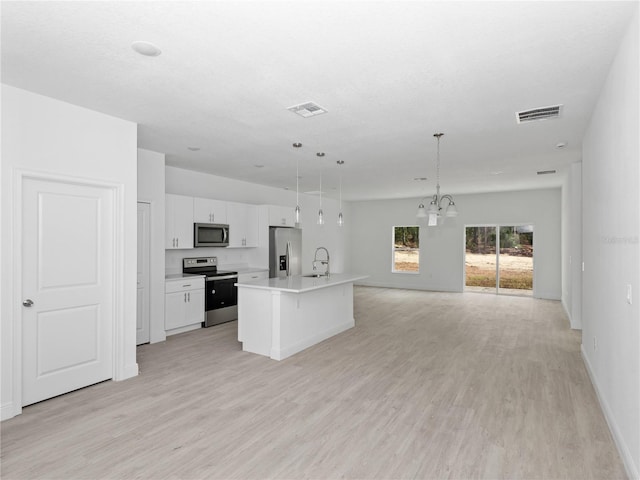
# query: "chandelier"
{"points": [[434, 212]]}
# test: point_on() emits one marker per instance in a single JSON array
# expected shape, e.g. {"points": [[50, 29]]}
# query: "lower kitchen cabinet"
{"points": [[184, 303]]}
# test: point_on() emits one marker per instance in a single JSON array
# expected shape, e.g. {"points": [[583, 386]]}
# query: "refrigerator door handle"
{"points": [[288, 255]]}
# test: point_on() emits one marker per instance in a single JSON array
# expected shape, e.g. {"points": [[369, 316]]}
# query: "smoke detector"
{"points": [[308, 109], [542, 113]]}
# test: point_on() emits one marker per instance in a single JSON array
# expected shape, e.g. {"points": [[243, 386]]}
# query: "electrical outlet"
{"points": [[595, 343]]}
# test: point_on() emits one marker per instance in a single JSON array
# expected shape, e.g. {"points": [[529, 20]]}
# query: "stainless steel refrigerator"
{"points": [[285, 252]]}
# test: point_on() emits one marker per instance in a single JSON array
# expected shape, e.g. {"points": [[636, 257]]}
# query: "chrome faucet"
{"points": [[323, 262]]}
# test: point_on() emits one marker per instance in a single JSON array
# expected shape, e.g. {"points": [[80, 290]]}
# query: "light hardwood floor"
{"points": [[427, 385]]}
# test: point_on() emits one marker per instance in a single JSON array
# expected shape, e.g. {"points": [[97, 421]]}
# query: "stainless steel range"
{"points": [[221, 294]]}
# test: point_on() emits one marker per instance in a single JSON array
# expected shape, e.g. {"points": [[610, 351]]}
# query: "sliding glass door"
{"points": [[499, 259], [480, 259], [515, 261]]}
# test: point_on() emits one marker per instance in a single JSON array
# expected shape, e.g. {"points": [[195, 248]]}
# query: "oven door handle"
{"points": [[224, 277]]}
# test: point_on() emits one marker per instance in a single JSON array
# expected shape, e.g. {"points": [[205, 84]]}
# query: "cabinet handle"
{"points": [[185, 298], [189, 296], [187, 285], [177, 242]]}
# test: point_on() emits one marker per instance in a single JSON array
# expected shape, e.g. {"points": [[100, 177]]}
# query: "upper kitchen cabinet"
{"points": [[206, 210], [243, 225], [281, 216], [178, 221]]}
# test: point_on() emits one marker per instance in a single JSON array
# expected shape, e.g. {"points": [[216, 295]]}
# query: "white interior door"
{"points": [[67, 285], [143, 305]]}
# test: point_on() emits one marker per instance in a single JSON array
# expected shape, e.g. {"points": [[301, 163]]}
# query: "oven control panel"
{"points": [[199, 262]]}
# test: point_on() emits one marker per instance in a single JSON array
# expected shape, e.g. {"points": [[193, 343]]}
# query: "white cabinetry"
{"points": [[184, 303], [243, 225], [282, 216], [206, 210], [178, 221]]}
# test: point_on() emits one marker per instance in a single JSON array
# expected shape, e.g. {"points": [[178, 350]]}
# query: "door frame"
{"points": [[148, 247], [119, 337], [497, 227]]}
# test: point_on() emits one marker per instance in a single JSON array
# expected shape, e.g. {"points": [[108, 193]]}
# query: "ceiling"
{"points": [[390, 74]]}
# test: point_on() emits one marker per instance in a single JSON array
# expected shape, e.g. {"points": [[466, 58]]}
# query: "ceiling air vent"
{"points": [[542, 113], [308, 109]]}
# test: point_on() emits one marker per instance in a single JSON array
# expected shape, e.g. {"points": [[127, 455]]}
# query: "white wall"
{"points": [[334, 238], [572, 245], [151, 190], [442, 248], [41, 134], [611, 249]]}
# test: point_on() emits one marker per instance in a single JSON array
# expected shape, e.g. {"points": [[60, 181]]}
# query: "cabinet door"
{"points": [[252, 232], [194, 312], [206, 210], [243, 225], [237, 217], [169, 227], [174, 310], [179, 221], [281, 216]]}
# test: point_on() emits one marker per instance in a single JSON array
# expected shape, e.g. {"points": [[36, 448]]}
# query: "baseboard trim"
{"points": [[129, 371], [627, 459], [568, 314], [7, 411], [403, 287]]}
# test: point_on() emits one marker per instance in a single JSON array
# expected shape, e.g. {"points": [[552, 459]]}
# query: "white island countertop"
{"points": [[301, 284]]}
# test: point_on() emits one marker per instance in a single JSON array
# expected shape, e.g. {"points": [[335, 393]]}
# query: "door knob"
{"points": [[27, 303]]}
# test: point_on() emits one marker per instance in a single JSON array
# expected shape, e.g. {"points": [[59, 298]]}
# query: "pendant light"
{"points": [[297, 216], [433, 213], [340, 217], [320, 213]]}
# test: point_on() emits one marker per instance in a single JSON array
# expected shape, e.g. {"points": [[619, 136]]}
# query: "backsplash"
{"points": [[226, 256]]}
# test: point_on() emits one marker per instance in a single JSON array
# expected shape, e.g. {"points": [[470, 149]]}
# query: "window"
{"points": [[406, 249]]}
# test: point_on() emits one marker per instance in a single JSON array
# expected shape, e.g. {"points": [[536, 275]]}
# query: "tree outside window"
{"points": [[406, 249]]}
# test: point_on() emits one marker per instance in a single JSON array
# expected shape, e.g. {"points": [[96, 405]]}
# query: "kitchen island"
{"points": [[278, 317]]}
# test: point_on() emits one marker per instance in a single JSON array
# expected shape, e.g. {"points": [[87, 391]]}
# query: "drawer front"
{"points": [[184, 284], [253, 276]]}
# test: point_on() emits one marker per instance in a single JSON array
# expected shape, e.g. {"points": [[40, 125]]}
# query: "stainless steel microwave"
{"points": [[210, 235]]}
